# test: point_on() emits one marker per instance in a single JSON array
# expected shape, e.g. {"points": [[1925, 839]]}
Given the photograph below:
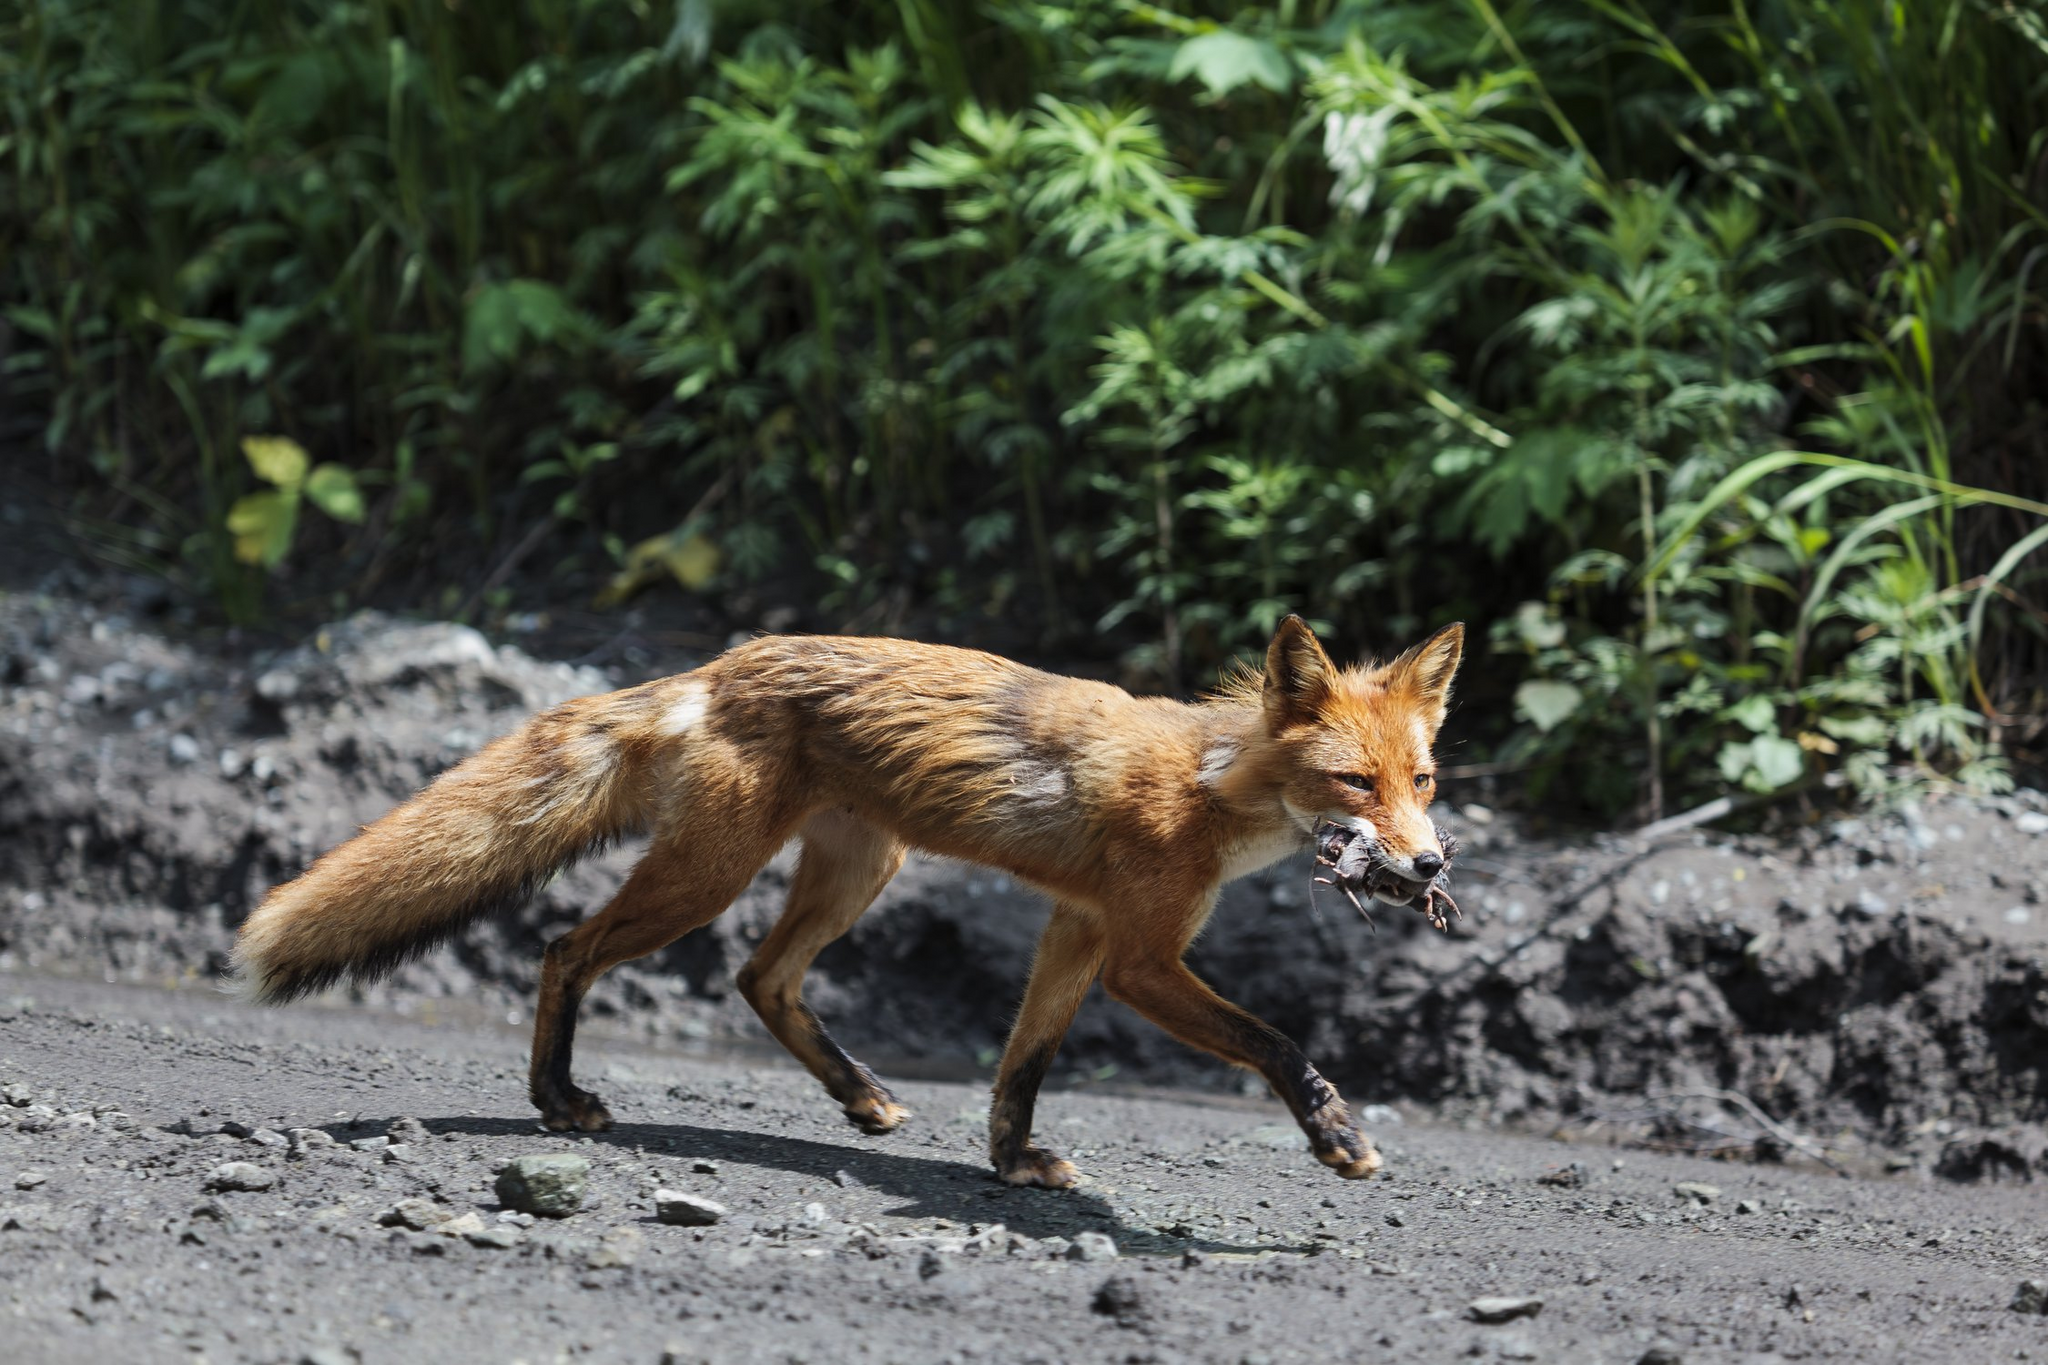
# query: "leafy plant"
{"points": [[1697, 350], [263, 522]]}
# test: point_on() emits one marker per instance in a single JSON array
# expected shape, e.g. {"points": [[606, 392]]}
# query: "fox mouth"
{"points": [[1394, 889], [1356, 863]]}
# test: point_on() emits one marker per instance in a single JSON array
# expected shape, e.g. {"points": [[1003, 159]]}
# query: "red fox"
{"points": [[1131, 812]]}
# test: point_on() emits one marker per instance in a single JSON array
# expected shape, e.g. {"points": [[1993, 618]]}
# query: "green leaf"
{"points": [[1762, 764], [277, 459], [262, 523], [502, 318], [1546, 703], [1754, 714], [334, 491], [1224, 60]]}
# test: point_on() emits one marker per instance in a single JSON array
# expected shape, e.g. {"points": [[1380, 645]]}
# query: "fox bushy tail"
{"points": [[479, 840]]}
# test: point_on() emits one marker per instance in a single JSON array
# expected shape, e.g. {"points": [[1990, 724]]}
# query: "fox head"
{"points": [[1355, 743]]}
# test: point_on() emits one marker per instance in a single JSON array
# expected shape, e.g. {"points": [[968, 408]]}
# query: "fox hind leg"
{"points": [[1069, 955], [671, 891], [844, 865]]}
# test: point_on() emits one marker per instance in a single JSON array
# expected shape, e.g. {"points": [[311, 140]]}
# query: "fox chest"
{"points": [[1259, 848]]}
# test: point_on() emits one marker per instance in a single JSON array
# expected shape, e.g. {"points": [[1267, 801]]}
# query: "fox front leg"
{"points": [[1173, 997]]}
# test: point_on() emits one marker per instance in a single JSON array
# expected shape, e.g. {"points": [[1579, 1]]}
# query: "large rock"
{"points": [[551, 1186]]}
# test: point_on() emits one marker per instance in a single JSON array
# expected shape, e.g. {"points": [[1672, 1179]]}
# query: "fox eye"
{"points": [[1358, 780], [1422, 781]]}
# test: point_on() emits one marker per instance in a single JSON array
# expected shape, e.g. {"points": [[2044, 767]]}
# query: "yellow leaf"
{"points": [[694, 562], [262, 526], [279, 459], [1817, 744], [692, 559]]}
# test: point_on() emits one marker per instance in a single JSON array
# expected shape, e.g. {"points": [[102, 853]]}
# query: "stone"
{"points": [[1118, 1297], [550, 1186], [18, 1094], [1749, 1206], [462, 1225], [265, 1137], [407, 1130], [501, 1238], [417, 1214], [617, 1249], [1504, 1308], [2030, 822], [240, 1175], [28, 1180], [1092, 1247], [304, 1140], [1696, 1191], [681, 1209], [1661, 1355], [2030, 1297]]}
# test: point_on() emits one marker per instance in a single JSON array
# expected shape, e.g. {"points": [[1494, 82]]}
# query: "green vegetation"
{"points": [[1696, 350]]}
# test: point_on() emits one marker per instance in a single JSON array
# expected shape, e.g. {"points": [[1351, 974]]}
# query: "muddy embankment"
{"points": [[1878, 982]]}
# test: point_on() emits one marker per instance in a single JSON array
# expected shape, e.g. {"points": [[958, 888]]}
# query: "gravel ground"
{"points": [[131, 1115]]}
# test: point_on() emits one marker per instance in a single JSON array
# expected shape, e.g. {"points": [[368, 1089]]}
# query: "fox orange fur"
{"points": [[1131, 812]]}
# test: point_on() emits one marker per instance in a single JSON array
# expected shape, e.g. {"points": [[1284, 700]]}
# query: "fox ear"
{"points": [[1298, 672], [1429, 667]]}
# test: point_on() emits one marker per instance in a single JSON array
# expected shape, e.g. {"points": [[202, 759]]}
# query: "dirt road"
{"points": [[1233, 1245]]}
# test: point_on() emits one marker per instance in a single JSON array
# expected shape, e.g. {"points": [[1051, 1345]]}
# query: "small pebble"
{"points": [[1092, 1246], [678, 1208], [417, 1214], [240, 1175], [1504, 1308]]}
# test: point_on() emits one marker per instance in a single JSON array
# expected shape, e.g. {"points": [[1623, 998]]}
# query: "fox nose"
{"points": [[1427, 865]]}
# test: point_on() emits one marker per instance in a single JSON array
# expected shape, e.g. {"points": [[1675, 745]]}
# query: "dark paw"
{"points": [[1036, 1166], [876, 1113], [576, 1111], [1348, 1152]]}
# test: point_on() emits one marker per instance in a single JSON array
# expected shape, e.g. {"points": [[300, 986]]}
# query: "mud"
{"points": [[1878, 984]]}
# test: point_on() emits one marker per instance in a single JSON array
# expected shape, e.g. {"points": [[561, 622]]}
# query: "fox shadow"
{"points": [[930, 1187]]}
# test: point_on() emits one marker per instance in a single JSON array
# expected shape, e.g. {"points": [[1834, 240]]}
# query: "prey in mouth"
{"points": [[1354, 863]]}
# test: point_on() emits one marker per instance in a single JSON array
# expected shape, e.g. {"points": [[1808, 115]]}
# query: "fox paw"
{"points": [[1350, 1154], [578, 1110], [876, 1113], [1036, 1166]]}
